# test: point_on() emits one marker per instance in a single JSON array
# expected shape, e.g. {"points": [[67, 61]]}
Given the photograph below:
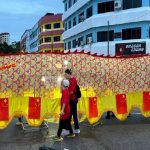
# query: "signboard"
{"points": [[130, 48]]}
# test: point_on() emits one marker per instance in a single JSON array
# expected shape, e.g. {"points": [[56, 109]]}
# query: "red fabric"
{"points": [[72, 88], [146, 101], [4, 109], [34, 108], [65, 100], [93, 109], [121, 103]]}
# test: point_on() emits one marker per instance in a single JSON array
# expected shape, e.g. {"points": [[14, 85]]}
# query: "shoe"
{"points": [[58, 139], [129, 115], [76, 131], [19, 123], [45, 148], [112, 115], [65, 132], [42, 124], [107, 117], [70, 135]]}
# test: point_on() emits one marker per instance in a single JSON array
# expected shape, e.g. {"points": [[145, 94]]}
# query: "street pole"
{"points": [[52, 38], [108, 28], [52, 44], [108, 112]]}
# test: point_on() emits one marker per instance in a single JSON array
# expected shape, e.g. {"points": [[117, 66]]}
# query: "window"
{"points": [[81, 17], [132, 33], [149, 32], [70, 3], [87, 36], [74, 1], [89, 12], [74, 21], [47, 39], [80, 41], [69, 24], [105, 7], [41, 29], [102, 36], [41, 41], [48, 26], [65, 26], [56, 38], [65, 46], [74, 43], [127, 4], [69, 45], [66, 7], [33, 45], [56, 25]]}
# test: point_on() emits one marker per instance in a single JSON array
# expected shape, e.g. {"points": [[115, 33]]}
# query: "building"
{"points": [[24, 42], [34, 39], [50, 36], [4, 38], [115, 27], [15, 44], [45, 36]]}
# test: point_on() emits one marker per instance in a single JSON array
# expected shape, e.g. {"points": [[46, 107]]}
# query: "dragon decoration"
{"points": [[29, 85]]}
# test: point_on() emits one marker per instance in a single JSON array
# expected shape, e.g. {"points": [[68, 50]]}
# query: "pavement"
{"points": [[131, 134]]}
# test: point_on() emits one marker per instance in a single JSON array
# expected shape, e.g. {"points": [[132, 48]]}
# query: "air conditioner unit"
{"points": [[118, 4], [89, 40]]}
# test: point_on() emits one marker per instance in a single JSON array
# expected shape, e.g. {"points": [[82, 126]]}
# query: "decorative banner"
{"points": [[34, 108], [121, 103], [93, 109], [36, 76], [4, 109], [146, 101]]}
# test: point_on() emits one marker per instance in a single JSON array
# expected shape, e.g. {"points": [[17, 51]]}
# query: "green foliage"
{"points": [[10, 49]]}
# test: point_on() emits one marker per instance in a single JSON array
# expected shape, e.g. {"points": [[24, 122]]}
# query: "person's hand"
{"points": [[62, 112]]}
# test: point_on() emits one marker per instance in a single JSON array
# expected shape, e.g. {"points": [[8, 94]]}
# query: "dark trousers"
{"points": [[64, 124], [73, 109], [20, 119]]}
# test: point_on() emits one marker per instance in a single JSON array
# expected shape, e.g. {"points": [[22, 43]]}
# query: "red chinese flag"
{"points": [[34, 110], [93, 111], [146, 101], [4, 109], [121, 103]]}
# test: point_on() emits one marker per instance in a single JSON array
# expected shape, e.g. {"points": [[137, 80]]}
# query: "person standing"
{"points": [[64, 122], [73, 99]]}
